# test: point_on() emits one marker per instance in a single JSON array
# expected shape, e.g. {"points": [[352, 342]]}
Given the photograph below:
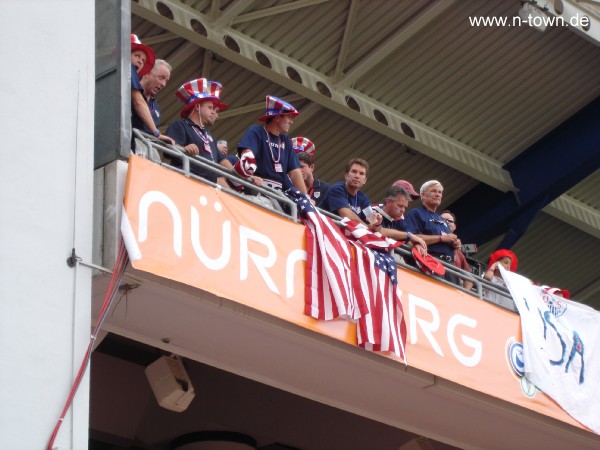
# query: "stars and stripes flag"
{"points": [[383, 328], [329, 275], [351, 274]]}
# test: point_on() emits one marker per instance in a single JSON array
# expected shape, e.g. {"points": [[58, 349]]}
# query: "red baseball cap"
{"points": [[409, 187], [428, 264]]}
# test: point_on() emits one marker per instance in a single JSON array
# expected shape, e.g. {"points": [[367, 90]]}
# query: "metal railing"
{"points": [[151, 148]]}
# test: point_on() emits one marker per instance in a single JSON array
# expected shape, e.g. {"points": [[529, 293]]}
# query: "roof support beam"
{"points": [[159, 39], [575, 213], [419, 22], [214, 9], [182, 54], [207, 63], [572, 13], [227, 15], [343, 54], [276, 10], [426, 140]]}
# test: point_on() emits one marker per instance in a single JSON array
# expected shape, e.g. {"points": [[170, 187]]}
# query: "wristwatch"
{"points": [[156, 132]]}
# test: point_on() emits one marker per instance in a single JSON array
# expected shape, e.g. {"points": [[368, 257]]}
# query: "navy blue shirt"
{"points": [[318, 191], [185, 132], [275, 156], [135, 80], [422, 221], [337, 197], [136, 121], [136, 85], [388, 222]]}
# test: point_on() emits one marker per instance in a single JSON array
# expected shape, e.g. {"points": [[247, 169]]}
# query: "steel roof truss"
{"points": [[427, 140]]}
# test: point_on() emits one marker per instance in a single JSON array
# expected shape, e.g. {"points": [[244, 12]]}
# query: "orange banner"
{"points": [[189, 232]]}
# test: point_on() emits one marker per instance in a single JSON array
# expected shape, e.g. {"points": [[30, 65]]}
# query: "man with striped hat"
{"points": [[200, 97], [305, 150], [277, 164]]}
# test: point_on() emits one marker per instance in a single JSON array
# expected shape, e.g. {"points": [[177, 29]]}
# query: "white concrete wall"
{"points": [[46, 182]]}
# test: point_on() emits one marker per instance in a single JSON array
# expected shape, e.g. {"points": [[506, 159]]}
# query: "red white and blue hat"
{"points": [[556, 291], [303, 144], [136, 44], [197, 91], [277, 107]]}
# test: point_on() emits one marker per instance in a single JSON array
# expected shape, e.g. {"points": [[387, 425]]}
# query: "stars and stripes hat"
{"points": [[277, 107], [197, 91], [303, 144], [136, 44]]}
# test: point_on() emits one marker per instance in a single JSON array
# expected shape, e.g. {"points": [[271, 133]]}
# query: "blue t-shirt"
{"points": [[185, 132], [388, 222], [318, 191], [275, 157], [136, 85], [422, 221], [135, 80], [136, 120], [337, 197]]}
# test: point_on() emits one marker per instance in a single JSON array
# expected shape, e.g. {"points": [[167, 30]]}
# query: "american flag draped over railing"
{"points": [[383, 328], [329, 275], [351, 274]]}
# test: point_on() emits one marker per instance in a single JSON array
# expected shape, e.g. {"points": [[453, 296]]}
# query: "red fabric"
{"points": [[565, 293], [460, 261], [383, 328], [499, 254], [329, 275], [359, 284]]}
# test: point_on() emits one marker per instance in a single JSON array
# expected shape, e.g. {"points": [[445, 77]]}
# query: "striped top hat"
{"points": [[136, 44], [197, 91], [303, 144], [277, 107]]}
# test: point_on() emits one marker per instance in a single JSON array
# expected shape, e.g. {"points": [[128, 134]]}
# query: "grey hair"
{"points": [[429, 183], [395, 191], [162, 62]]}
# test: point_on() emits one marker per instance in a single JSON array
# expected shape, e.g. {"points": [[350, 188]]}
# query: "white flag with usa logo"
{"points": [[561, 345]]}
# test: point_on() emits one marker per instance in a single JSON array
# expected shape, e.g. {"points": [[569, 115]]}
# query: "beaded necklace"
{"points": [[199, 132], [271, 148]]}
